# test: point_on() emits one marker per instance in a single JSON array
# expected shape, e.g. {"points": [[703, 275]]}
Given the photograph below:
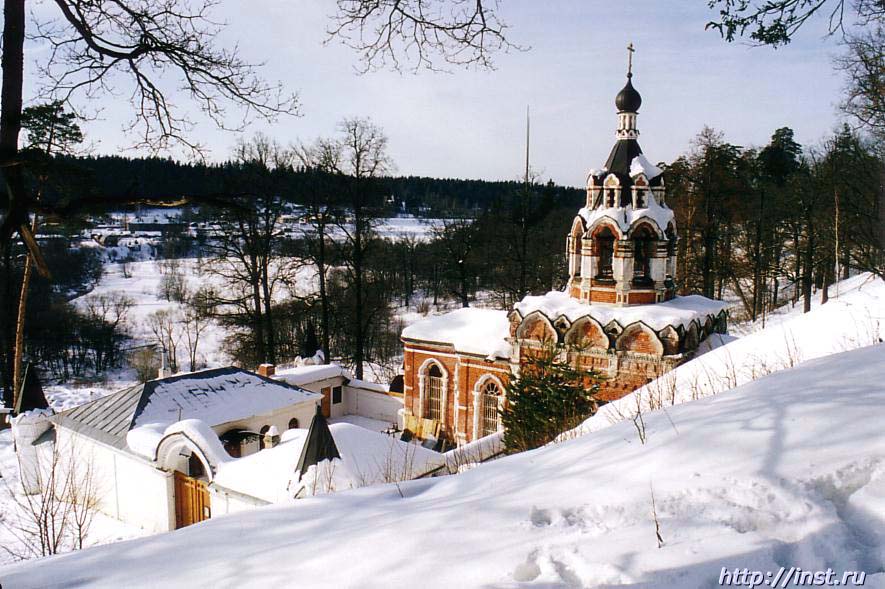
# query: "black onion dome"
{"points": [[628, 99]]}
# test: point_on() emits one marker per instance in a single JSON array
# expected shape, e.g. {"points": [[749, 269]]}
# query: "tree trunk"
{"points": [[271, 351], [324, 296], [807, 278], [358, 292], [20, 323], [10, 126]]}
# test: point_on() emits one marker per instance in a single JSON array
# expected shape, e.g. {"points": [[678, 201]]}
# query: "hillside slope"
{"points": [[788, 470], [853, 319]]}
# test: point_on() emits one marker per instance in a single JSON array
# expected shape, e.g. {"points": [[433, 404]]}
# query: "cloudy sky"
{"points": [[470, 124]]}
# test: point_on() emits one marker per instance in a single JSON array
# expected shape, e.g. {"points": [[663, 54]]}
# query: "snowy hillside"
{"points": [[788, 470], [855, 319]]}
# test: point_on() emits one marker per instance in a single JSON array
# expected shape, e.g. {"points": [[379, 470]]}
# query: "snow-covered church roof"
{"points": [[482, 332], [680, 311]]}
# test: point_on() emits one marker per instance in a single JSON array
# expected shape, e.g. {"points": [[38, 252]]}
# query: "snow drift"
{"points": [[788, 470]]}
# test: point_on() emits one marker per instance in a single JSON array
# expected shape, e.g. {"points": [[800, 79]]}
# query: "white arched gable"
{"points": [[169, 448], [422, 386], [577, 227], [659, 233], [607, 221]]}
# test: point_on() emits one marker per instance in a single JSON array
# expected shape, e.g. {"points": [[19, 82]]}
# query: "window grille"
{"points": [[435, 393], [490, 418]]}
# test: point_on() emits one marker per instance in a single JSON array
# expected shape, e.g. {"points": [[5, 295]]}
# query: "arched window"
{"points": [[576, 271], [605, 249], [264, 429], [671, 240], [643, 242], [293, 423], [489, 417], [434, 393]]}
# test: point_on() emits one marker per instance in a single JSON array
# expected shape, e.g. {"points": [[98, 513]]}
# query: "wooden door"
{"points": [[327, 402], [191, 500]]}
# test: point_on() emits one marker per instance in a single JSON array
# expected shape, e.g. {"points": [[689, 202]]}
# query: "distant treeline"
{"points": [[166, 179]]}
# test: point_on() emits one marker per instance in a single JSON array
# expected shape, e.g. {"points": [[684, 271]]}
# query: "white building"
{"points": [[155, 447]]}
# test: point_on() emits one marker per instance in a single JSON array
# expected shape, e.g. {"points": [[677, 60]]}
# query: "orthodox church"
{"points": [[619, 313]]}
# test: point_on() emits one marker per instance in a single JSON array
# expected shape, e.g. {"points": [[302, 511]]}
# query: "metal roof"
{"points": [[110, 418], [107, 419]]}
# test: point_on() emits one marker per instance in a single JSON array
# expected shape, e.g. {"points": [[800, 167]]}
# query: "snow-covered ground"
{"points": [[786, 471], [853, 319], [103, 530]]}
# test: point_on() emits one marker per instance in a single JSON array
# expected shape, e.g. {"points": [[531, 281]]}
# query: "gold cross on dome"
{"points": [[630, 51]]}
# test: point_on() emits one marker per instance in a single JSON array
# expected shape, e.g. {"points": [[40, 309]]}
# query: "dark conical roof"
{"points": [[319, 446], [30, 395], [628, 99]]}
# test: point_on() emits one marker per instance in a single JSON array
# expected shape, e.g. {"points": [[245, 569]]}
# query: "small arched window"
{"points": [[293, 423], [490, 419], [605, 249], [434, 392], [671, 240], [643, 243], [264, 429]]}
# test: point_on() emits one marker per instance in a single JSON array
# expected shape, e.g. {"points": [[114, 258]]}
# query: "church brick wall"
{"points": [[641, 298], [464, 372], [602, 296]]}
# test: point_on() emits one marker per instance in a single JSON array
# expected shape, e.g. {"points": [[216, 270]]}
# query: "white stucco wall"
{"points": [[372, 404], [303, 412], [130, 488], [225, 501]]}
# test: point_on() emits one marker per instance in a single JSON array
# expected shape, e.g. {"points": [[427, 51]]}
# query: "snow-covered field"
{"points": [[788, 471]]}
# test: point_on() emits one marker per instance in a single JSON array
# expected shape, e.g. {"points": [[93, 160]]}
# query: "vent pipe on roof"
{"points": [[272, 436]]}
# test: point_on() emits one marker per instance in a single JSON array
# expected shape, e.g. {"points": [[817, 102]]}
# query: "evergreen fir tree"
{"points": [[310, 344], [548, 398]]}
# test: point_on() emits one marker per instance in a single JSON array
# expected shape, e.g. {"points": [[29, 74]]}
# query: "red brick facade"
{"points": [[464, 375], [628, 359]]}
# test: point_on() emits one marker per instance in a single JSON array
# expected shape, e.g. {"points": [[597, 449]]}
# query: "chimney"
{"points": [[272, 436], [266, 369], [163, 371]]}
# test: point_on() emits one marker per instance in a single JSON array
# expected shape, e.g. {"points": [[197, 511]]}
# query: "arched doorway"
{"points": [[191, 472]]}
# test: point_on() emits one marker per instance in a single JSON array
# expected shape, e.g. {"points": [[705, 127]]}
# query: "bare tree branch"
{"points": [[415, 34], [160, 47]]}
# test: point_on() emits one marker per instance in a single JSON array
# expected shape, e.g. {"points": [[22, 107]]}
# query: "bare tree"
{"points": [[246, 250], [421, 32], [144, 361], [359, 155], [864, 68], [458, 234], [775, 22], [164, 324], [58, 518], [193, 324]]}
